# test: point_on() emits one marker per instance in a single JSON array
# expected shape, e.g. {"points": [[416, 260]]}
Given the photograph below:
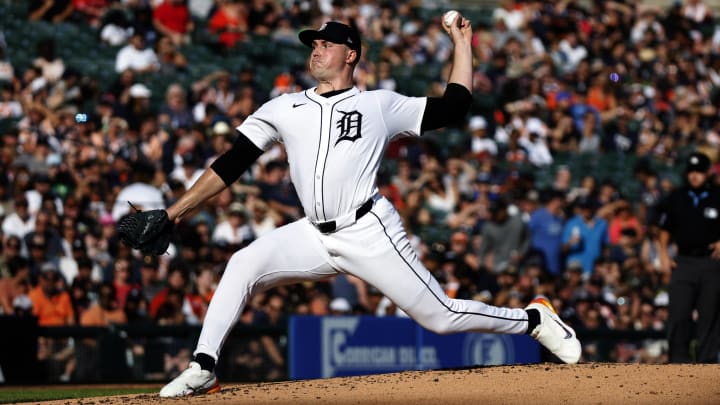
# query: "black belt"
{"points": [[330, 226]]}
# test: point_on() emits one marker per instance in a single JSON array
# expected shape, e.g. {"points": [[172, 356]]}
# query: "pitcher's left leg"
{"points": [[377, 250]]}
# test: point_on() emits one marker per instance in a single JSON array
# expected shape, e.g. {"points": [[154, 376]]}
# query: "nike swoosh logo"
{"points": [[568, 335], [298, 105]]}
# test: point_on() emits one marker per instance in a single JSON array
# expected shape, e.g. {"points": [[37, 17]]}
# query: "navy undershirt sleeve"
{"points": [[233, 163], [449, 109]]}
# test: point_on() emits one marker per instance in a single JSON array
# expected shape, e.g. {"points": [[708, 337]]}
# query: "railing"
{"points": [[149, 353]]}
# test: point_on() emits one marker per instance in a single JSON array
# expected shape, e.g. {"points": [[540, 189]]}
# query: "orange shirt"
{"points": [[97, 316], [598, 99], [51, 311]]}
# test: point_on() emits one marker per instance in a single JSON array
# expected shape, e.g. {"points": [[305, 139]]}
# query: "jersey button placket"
{"points": [[320, 164]]}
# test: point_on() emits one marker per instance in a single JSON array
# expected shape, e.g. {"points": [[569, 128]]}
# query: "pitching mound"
{"points": [[540, 384]]}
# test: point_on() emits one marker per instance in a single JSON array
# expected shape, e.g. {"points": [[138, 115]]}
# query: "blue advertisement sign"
{"points": [[343, 346]]}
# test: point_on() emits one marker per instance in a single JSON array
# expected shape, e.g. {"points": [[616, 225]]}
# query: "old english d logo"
{"points": [[349, 125]]}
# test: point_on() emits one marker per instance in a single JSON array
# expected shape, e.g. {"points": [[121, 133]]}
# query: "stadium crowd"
{"points": [[554, 82]]}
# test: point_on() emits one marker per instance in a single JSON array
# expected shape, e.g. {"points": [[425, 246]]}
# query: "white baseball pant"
{"points": [[375, 249]]}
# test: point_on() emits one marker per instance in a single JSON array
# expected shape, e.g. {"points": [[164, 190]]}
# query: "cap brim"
{"points": [[308, 36]]}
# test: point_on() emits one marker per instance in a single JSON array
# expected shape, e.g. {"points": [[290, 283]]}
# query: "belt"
{"points": [[346, 220]]}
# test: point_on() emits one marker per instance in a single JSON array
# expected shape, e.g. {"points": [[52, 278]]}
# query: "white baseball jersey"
{"points": [[334, 144], [334, 147]]}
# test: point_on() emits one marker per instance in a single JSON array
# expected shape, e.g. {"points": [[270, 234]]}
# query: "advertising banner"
{"points": [[343, 346]]}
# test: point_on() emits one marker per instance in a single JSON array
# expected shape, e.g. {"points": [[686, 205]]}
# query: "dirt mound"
{"points": [[599, 383]]}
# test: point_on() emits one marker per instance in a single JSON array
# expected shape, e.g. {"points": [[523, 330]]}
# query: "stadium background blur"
{"points": [[104, 102]]}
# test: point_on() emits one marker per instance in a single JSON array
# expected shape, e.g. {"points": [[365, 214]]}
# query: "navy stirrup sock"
{"points": [[205, 361]]}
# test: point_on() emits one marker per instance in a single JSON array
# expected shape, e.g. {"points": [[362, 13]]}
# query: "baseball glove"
{"points": [[147, 231]]}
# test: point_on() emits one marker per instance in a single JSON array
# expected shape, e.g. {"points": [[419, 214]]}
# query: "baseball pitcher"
{"points": [[335, 136]]}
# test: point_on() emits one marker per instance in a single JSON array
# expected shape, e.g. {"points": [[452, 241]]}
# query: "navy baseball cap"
{"points": [[335, 32], [697, 162]]}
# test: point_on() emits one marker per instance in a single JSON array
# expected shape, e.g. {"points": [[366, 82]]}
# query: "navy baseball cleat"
{"points": [[192, 381], [553, 333]]}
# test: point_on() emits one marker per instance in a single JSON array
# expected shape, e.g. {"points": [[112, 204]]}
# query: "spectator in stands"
{"points": [[9, 106], [44, 228], [175, 113], [52, 306], [584, 235], [351, 289], [189, 171], [19, 223], [480, 145], [85, 279], [14, 288], [172, 19], [150, 283], [229, 23], [101, 313], [623, 219], [171, 60], [174, 297], [51, 303], [440, 196], [135, 111], [123, 281], [278, 191], [116, 28], [545, 227], [66, 92], [538, 152], [505, 238], [51, 66], [106, 310], [204, 288], [273, 315], [220, 142], [90, 11], [140, 192], [235, 229], [11, 247], [136, 56], [262, 218]]}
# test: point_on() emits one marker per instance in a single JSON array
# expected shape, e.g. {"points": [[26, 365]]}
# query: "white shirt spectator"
{"points": [[573, 52], [538, 152], [481, 145], [14, 225], [136, 56], [696, 10], [10, 109], [235, 229], [115, 35], [514, 19], [187, 174], [638, 30]]}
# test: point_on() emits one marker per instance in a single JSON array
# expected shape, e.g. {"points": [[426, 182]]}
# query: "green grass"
{"points": [[35, 394]]}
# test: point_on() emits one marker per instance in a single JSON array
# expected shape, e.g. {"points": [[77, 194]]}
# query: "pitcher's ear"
{"points": [[352, 59]]}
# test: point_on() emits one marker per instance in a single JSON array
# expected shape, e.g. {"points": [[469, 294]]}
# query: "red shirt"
{"points": [[173, 16], [220, 22]]}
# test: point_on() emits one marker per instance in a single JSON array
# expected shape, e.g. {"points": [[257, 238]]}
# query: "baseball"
{"points": [[449, 17]]}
